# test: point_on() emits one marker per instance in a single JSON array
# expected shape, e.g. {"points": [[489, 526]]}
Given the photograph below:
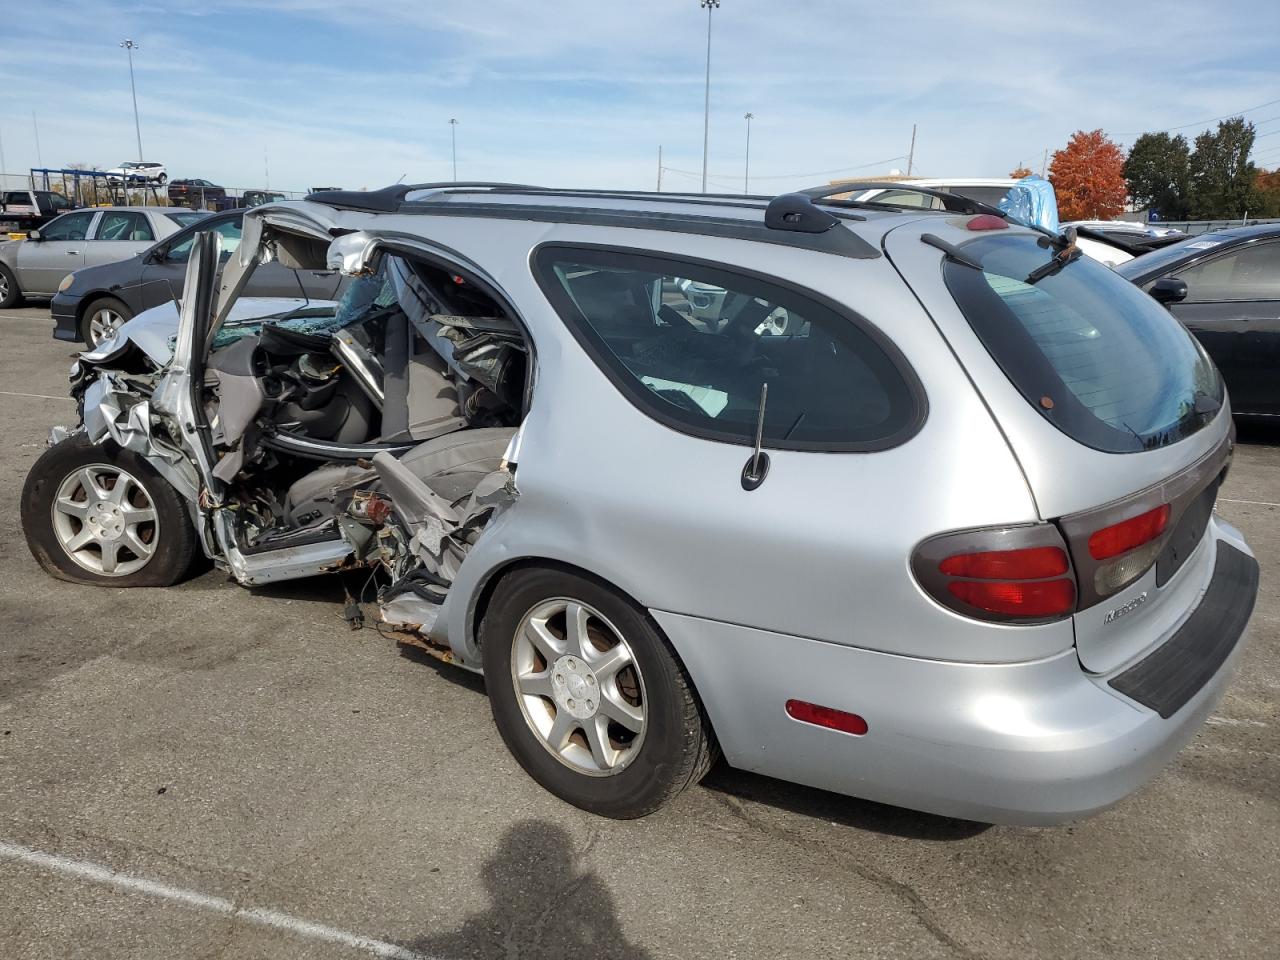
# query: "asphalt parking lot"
{"points": [[209, 772]]}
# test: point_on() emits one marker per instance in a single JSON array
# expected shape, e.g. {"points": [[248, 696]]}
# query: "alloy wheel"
{"points": [[4, 288], [579, 686], [105, 520], [103, 324]]}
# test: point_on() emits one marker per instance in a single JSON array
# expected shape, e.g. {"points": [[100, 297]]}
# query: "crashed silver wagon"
{"points": [[916, 506]]}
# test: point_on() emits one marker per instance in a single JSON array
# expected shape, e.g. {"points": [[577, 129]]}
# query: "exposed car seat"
{"points": [[451, 465]]}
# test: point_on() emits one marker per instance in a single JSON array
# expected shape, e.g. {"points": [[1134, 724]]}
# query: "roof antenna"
{"points": [[757, 466]]}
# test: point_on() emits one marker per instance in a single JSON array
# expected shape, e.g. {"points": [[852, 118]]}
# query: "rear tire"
{"points": [[101, 319], [619, 741], [94, 513], [10, 294]]}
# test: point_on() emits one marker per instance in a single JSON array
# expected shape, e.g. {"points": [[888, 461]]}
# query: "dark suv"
{"points": [[195, 193], [98, 299]]}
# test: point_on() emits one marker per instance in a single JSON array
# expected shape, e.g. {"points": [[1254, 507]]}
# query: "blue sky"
{"points": [[583, 93]]}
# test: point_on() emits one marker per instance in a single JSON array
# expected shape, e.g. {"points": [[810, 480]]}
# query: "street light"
{"points": [[746, 170], [453, 139], [130, 46], [706, 101]]}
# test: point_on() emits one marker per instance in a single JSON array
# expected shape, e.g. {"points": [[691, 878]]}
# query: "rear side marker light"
{"points": [[1039, 598], [828, 717], [1127, 534]]}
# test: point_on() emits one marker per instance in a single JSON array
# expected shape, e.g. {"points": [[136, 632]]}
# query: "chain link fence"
{"points": [[139, 195], [1196, 227]]}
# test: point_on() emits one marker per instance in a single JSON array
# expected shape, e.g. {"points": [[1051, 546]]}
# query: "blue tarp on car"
{"points": [[1031, 201]]}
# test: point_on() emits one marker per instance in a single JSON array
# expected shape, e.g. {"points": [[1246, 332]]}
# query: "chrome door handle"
{"points": [[73, 253]]}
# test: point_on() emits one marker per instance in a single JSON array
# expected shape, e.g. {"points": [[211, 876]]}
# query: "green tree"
{"points": [[1223, 181], [1157, 171], [1268, 187]]}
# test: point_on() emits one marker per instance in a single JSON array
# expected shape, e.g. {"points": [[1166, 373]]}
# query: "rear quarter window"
{"points": [[1097, 357], [691, 344]]}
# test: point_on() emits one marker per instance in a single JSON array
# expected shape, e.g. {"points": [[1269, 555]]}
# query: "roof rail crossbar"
{"points": [[953, 202]]}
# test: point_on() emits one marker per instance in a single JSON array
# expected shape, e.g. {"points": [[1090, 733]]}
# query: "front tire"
{"points": [[10, 294], [589, 696], [102, 318], [99, 514]]}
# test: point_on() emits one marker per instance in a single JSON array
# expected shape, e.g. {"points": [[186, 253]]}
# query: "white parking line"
{"points": [[1233, 722], [34, 396], [1256, 503], [84, 870]]}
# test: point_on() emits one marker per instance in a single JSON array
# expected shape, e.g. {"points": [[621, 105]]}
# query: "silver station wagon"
{"points": [[917, 506]]}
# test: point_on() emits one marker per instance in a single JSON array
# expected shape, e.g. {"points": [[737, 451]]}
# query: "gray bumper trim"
{"points": [[1166, 679]]}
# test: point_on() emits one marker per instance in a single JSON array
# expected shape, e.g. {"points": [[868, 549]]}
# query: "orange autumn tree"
{"points": [[1018, 172], [1088, 177]]}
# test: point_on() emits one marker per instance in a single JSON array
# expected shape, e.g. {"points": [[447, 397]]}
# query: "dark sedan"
{"points": [[96, 300], [1225, 288]]}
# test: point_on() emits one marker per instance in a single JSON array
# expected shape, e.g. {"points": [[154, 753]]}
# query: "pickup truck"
{"points": [[22, 210]]}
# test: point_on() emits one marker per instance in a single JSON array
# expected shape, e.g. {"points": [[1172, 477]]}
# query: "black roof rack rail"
{"points": [[388, 199], [798, 211], [952, 202], [787, 218]]}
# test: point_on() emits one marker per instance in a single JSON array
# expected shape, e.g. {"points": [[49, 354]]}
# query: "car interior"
{"points": [[415, 362]]}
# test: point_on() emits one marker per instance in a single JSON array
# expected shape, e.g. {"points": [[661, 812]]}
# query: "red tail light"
{"points": [[1015, 574], [1032, 563], [1038, 599], [1127, 534]]}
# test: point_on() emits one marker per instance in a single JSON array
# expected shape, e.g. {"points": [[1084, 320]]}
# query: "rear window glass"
{"points": [[692, 345], [1096, 356]]}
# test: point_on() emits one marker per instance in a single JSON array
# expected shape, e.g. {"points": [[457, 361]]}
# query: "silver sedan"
{"points": [[35, 267]]}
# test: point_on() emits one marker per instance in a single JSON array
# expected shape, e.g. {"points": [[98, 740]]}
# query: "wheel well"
{"points": [[499, 574], [89, 299]]}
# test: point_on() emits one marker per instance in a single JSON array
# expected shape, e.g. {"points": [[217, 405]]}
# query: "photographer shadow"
{"points": [[541, 904]]}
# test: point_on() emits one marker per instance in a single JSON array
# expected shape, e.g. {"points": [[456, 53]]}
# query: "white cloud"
{"points": [[584, 92]]}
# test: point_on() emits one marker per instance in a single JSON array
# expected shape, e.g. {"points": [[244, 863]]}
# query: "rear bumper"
{"points": [[1028, 743]]}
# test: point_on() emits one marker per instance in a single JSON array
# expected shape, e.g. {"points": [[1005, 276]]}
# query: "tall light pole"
{"points": [[706, 100], [453, 140], [746, 168], [129, 47]]}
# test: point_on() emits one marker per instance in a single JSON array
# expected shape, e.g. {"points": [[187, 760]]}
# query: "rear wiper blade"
{"points": [[1068, 250]]}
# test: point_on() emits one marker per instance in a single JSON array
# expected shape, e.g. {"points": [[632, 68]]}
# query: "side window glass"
{"points": [[69, 226], [692, 345], [1251, 273], [229, 231], [909, 198], [124, 225]]}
